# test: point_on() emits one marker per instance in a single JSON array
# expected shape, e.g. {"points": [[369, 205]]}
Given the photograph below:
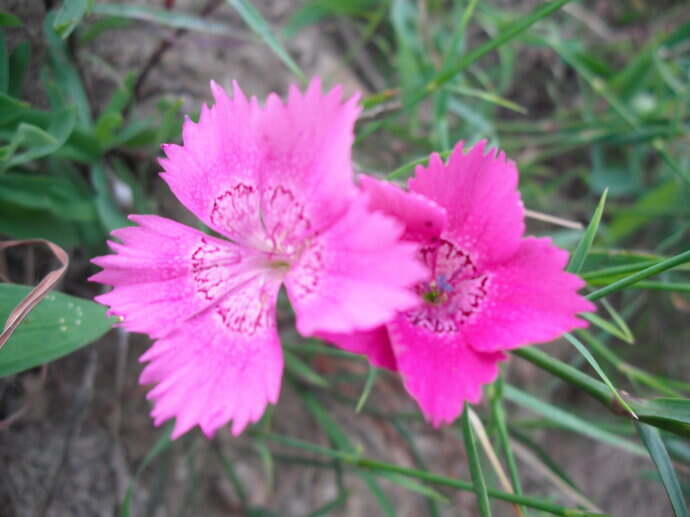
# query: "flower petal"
{"points": [[439, 370], [374, 344], [479, 193], [307, 149], [239, 155], [423, 219], [215, 173], [355, 276], [165, 272], [530, 300], [217, 368]]}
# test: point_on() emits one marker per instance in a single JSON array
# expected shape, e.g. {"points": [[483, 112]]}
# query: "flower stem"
{"points": [[593, 387], [357, 461]]}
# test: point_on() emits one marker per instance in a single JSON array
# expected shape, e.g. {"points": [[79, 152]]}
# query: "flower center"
{"points": [[272, 220], [455, 294]]}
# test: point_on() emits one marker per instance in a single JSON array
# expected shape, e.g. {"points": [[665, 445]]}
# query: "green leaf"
{"points": [[66, 82], [657, 450], [577, 259], [9, 20], [671, 414], [58, 325], [252, 17], [19, 62], [475, 466], [52, 194], [69, 16], [38, 142], [11, 108]]}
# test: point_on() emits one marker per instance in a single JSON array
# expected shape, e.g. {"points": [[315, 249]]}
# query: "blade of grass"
{"points": [[679, 287], [657, 451], [507, 34], [252, 17], [475, 464], [657, 268], [597, 368], [606, 326], [372, 374], [577, 259], [490, 97]]}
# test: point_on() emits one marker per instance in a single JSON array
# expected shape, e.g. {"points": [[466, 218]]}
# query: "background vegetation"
{"points": [[590, 98]]}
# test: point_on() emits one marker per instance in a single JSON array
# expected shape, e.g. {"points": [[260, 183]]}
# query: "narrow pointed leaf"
{"points": [[577, 259], [259, 25], [657, 450]]}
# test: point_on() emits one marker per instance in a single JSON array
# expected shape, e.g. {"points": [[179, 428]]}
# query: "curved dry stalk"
{"points": [[24, 307], [558, 221]]}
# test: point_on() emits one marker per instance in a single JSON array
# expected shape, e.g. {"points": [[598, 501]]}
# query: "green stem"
{"points": [[380, 466], [499, 420], [593, 387], [478, 481]]}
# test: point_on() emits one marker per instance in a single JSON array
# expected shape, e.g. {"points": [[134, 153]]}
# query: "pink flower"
{"points": [[276, 184], [491, 290]]}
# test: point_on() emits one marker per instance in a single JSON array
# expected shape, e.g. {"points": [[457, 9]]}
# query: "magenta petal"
{"points": [[439, 370], [479, 193], [375, 344], [531, 300], [207, 373], [221, 152], [239, 155], [355, 276], [306, 145], [423, 219], [165, 272]]}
